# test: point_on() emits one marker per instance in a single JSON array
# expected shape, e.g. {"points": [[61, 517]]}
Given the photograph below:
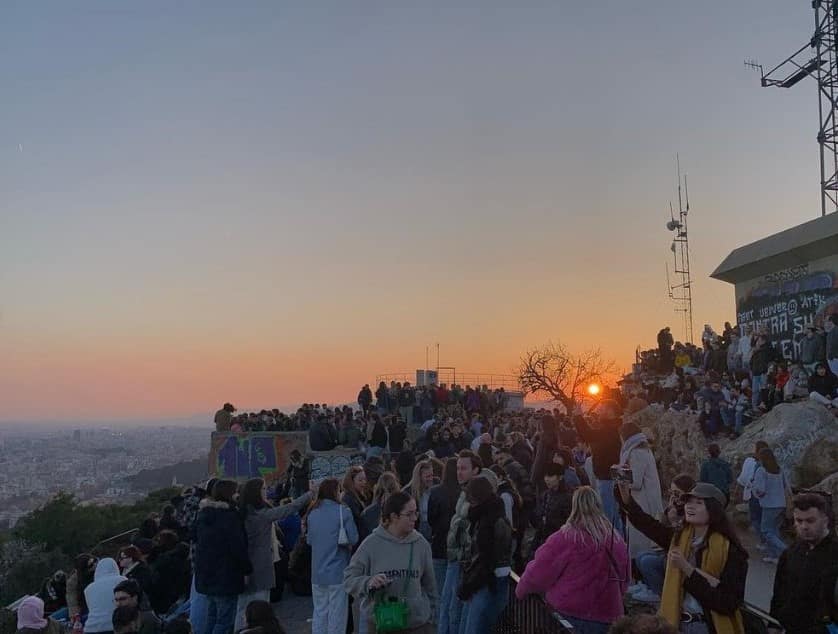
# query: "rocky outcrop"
{"points": [[830, 485], [678, 443], [803, 436]]}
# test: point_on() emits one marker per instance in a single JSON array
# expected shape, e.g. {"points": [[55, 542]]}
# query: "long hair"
{"points": [[503, 478], [417, 489], [329, 489], [387, 485], [587, 517], [769, 461], [349, 483], [251, 495], [260, 614], [719, 523], [449, 477]]}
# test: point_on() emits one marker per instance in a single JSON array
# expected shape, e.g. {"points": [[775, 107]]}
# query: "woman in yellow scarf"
{"points": [[706, 567]]}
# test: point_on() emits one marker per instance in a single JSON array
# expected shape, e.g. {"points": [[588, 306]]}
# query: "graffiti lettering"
{"points": [[793, 273]]}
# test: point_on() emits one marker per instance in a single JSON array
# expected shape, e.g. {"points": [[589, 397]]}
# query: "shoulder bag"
{"points": [[392, 613]]}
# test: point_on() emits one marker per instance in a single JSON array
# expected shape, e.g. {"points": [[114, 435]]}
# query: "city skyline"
{"points": [[271, 204]]}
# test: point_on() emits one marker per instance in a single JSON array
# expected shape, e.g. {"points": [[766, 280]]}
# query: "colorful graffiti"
{"points": [[253, 455], [786, 304], [266, 455]]}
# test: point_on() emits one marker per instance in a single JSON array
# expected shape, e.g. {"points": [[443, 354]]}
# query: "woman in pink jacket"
{"points": [[582, 568]]}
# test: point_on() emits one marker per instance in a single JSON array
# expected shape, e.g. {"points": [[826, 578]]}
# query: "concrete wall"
{"points": [[789, 300]]}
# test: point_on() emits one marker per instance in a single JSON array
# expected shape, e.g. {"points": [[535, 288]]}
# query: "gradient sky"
{"points": [[272, 202]]}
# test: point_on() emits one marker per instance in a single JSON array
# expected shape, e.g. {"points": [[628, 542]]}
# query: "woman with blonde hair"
{"points": [[419, 489], [583, 568], [387, 485]]}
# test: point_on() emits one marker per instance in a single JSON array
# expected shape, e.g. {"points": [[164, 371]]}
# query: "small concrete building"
{"points": [[787, 281]]}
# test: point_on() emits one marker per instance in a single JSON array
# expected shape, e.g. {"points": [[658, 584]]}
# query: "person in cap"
{"points": [[704, 583], [224, 417]]}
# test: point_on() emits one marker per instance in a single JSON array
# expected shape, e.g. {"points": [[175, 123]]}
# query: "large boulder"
{"points": [[678, 443], [803, 436], [830, 485]]}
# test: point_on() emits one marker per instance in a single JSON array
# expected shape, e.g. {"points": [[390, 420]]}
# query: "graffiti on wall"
{"points": [[788, 302], [253, 455], [333, 464]]}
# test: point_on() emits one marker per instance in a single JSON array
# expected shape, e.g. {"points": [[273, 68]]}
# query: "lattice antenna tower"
{"points": [[818, 59], [681, 291]]}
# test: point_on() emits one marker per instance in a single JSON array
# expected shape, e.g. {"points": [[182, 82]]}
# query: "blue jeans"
{"points": [[221, 613], [440, 566], [757, 383], [728, 416], [485, 607], [198, 610], [581, 626], [609, 504], [770, 528], [450, 607], [755, 515], [652, 567]]}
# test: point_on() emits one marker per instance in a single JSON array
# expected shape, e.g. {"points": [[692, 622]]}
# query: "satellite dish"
{"points": [[673, 225]]}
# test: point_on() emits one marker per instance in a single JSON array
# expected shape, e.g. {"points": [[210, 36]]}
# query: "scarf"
{"points": [[30, 614], [630, 444], [713, 562]]}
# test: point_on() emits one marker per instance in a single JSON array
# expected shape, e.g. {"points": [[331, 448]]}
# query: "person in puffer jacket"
{"points": [[222, 562]]}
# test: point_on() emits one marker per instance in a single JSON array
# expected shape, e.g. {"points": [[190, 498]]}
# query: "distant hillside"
{"points": [[185, 472]]}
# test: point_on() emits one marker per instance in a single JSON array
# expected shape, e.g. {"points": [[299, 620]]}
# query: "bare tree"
{"points": [[553, 370]]}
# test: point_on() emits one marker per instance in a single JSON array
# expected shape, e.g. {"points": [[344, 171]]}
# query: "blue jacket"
{"points": [[221, 560], [328, 560]]}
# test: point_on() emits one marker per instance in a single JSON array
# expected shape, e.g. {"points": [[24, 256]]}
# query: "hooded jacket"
{"points": [[99, 596], [170, 577], [221, 560], [382, 553], [490, 547]]}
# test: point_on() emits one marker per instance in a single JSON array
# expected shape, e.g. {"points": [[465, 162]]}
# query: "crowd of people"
{"points": [[424, 535], [402, 400], [739, 375]]}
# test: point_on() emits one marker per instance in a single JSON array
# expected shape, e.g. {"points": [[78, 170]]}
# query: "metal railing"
{"points": [[450, 376], [530, 615]]}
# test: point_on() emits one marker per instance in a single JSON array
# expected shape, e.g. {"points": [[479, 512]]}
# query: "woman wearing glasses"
{"points": [[582, 568], [394, 564]]}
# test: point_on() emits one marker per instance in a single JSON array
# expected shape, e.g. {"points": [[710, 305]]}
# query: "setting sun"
{"points": [[594, 389]]}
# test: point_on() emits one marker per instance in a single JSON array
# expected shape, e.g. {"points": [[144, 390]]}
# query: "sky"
{"points": [[272, 202]]}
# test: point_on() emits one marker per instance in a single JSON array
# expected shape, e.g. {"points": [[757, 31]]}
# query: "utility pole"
{"points": [[818, 59]]}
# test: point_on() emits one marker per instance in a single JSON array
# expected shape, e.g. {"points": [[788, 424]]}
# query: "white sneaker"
{"points": [[637, 587], [647, 596]]}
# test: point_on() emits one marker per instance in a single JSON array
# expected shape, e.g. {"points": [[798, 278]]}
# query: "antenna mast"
{"points": [[819, 59], [681, 292]]}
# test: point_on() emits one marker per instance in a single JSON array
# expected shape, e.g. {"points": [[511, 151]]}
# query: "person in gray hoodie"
{"points": [[395, 562], [262, 544]]}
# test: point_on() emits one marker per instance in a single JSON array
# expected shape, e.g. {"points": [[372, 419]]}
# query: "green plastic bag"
{"points": [[391, 614]]}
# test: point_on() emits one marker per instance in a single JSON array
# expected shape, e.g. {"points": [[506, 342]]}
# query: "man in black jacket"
{"points": [[604, 439], [807, 573]]}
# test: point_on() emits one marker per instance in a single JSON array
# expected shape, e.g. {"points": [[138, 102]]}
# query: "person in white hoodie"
{"points": [[99, 597]]}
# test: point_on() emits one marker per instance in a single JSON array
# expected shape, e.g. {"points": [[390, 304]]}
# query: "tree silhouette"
{"points": [[552, 370]]}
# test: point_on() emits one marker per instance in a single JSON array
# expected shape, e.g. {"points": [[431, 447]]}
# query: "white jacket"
{"points": [[99, 597]]}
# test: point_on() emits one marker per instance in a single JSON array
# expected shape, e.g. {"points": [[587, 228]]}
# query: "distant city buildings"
{"points": [[93, 464]]}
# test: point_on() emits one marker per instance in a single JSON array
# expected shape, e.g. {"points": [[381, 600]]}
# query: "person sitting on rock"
{"points": [[822, 386]]}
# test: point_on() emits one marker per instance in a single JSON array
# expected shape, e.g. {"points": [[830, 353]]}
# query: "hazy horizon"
{"points": [[269, 203]]}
